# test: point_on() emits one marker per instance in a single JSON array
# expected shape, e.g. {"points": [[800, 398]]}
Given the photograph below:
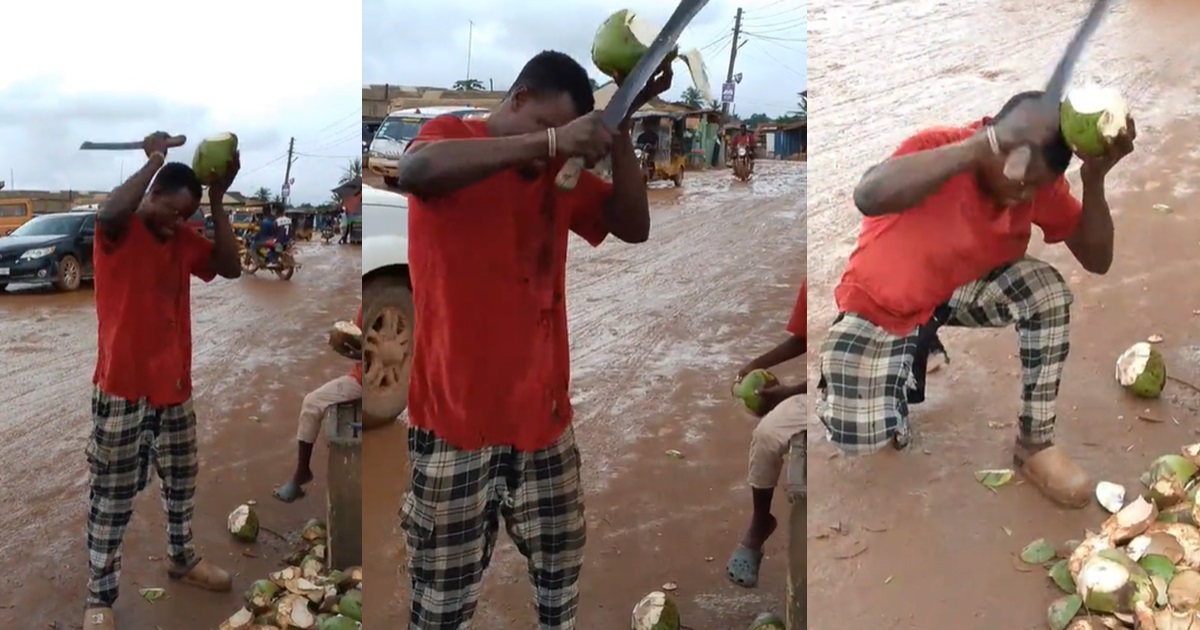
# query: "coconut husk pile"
{"points": [[1142, 568], [305, 595], [658, 611]]}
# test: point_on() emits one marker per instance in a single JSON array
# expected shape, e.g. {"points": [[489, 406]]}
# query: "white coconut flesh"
{"points": [[240, 520], [645, 32], [293, 612], [348, 328], [241, 620], [1107, 103], [1110, 496], [1108, 585], [655, 612], [1132, 363], [1130, 521]]}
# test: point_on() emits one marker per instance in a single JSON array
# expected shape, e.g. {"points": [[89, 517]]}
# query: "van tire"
{"points": [[386, 295]]}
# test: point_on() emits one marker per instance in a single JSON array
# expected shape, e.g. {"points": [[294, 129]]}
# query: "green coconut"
{"points": [[1091, 117], [339, 622], [1141, 370], [767, 621], [1062, 610], [624, 37], [260, 595], [243, 523], [656, 611], [350, 605], [747, 389], [214, 155], [1111, 582]]}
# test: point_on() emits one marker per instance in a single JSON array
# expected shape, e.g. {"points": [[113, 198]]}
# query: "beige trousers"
{"points": [[771, 440], [312, 410]]}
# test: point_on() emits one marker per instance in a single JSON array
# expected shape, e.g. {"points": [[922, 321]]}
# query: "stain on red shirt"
{"points": [[491, 361], [907, 264], [143, 307]]}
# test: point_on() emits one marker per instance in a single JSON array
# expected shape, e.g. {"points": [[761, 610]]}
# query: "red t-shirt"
{"points": [[906, 264], [143, 305], [743, 139], [356, 373], [488, 265], [797, 325]]}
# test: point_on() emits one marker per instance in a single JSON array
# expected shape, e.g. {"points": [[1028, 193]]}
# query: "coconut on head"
{"points": [[747, 389], [214, 156], [243, 523], [625, 36], [656, 611], [1091, 117], [1111, 582], [1142, 371]]}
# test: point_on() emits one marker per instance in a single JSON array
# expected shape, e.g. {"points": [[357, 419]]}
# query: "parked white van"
{"points": [[387, 306], [398, 129]]}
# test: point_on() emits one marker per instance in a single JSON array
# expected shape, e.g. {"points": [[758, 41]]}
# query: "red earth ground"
{"points": [[657, 332], [910, 540], [260, 345]]}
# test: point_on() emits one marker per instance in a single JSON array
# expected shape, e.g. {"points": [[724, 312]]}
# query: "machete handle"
{"points": [[568, 175], [1017, 163]]}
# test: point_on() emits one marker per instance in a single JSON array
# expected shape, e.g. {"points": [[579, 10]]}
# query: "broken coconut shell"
{"points": [[1192, 453], [1095, 623], [1170, 619], [1132, 520], [1039, 551], [1158, 566], [1155, 544], [292, 611], [1093, 544], [243, 523], [1182, 513], [656, 611], [1111, 582], [1060, 574], [1110, 496], [1183, 592], [1062, 611], [260, 595], [1167, 492], [241, 620], [1188, 537], [1172, 466]]}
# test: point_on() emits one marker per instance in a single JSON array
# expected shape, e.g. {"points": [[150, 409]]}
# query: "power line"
{"points": [[785, 27], [797, 40], [781, 64]]}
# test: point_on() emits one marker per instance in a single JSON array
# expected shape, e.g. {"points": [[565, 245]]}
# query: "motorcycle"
{"points": [[327, 234], [742, 166], [253, 260]]}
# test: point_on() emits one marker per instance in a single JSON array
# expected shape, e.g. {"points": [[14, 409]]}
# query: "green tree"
{"points": [[801, 104], [468, 85], [757, 119], [262, 194], [692, 98]]}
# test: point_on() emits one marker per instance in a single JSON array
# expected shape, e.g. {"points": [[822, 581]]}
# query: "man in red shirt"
{"points": [[783, 416], [340, 390], [944, 242], [744, 138], [142, 412], [489, 399]]}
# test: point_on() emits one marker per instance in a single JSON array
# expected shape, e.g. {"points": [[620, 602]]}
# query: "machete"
{"points": [[172, 142], [1017, 162], [627, 92]]}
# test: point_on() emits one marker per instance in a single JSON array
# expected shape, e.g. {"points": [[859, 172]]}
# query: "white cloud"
{"points": [[114, 71], [406, 42]]}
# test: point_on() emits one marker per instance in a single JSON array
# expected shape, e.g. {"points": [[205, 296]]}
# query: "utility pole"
{"points": [[470, 40], [733, 48], [287, 173]]}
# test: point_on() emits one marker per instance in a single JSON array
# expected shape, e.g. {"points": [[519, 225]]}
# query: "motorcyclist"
{"points": [[648, 139], [745, 138], [266, 232]]}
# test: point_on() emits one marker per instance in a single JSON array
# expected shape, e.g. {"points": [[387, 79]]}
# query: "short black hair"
{"points": [[176, 176], [1057, 153], [552, 72]]}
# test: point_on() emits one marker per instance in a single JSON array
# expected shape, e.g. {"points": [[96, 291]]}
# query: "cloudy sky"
{"points": [[425, 43], [266, 70]]}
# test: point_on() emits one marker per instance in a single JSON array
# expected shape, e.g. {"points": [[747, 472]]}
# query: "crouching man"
{"points": [[944, 242], [342, 389]]}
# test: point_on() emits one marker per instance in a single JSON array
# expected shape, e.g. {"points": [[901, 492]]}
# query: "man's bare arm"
{"points": [[116, 211], [1093, 241], [225, 245], [435, 169], [627, 210], [904, 182]]}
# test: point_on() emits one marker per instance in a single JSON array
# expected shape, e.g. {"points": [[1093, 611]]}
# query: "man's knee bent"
{"points": [[1048, 291]]}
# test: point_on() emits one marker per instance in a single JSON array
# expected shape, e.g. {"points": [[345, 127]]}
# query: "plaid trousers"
{"points": [[867, 371], [127, 437], [451, 520]]}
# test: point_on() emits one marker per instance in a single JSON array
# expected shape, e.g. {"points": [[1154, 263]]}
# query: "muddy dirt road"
{"points": [[910, 540], [657, 331], [260, 344]]}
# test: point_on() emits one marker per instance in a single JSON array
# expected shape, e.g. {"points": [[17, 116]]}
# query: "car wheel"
{"points": [[69, 274], [387, 349]]}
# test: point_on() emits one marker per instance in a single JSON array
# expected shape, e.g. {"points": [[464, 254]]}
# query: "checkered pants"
{"points": [[127, 437], [867, 371], [451, 519]]}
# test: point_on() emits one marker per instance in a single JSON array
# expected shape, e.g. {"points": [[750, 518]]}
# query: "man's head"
{"points": [[744, 129], [174, 195], [1047, 164], [551, 91]]}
